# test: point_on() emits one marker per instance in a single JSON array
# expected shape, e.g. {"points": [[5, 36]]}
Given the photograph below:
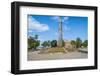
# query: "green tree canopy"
{"points": [[73, 43], [44, 44], [33, 42], [63, 43], [78, 42], [53, 43], [85, 43]]}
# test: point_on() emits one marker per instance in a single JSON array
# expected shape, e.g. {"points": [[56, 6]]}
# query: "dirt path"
{"points": [[69, 55]]}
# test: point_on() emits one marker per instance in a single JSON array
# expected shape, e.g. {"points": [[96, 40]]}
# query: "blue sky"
{"points": [[46, 27]]}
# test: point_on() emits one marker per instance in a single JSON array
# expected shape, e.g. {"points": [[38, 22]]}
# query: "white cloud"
{"points": [[36, 25]]}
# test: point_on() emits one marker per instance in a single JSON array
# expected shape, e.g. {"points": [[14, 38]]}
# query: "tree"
{"points": [[85, 43], [73, 43], [49, 43], [30, 41], [78, 43], [36, 37], [45, 44], [36, 44], [33, 42], [54, 43], [63, 43]]}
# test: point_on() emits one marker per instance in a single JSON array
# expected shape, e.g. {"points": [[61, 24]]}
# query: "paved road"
{"points": [[69, 55]]}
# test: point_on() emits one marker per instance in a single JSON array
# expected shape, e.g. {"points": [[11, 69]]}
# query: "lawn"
{"points": [[56, 50]]}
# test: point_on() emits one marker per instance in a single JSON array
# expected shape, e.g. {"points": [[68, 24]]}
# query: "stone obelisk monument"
{"points": [[60, 39]]}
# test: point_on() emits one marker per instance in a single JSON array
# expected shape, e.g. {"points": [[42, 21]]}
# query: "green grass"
{"points": [[71, 49], [56, 50]]}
